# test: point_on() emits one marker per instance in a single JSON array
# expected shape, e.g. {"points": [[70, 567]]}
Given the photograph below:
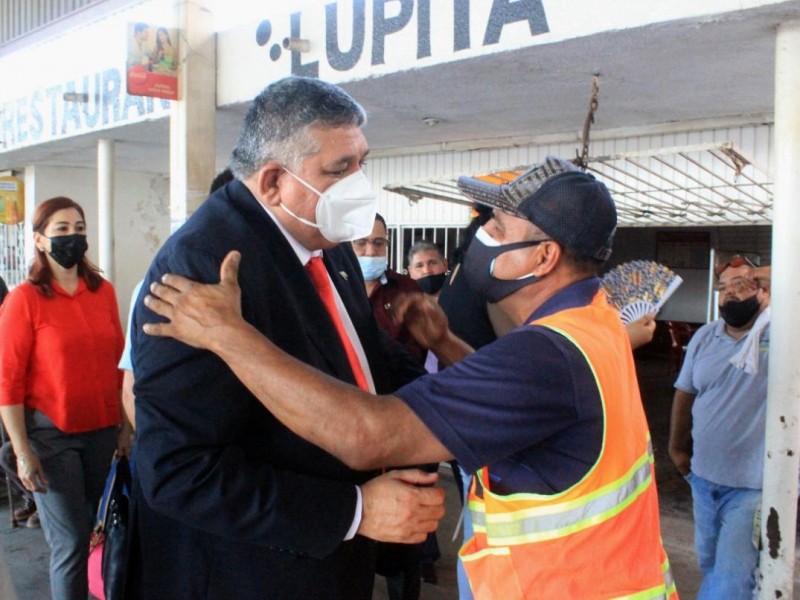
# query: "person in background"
{"points": [[427, 266], [549, 416], [398, 563], [163, 59], [717, 429], [26, 513], [227, 502], [138, 53], [60, 340], [8, 463], [126, 364], [383, 285]]}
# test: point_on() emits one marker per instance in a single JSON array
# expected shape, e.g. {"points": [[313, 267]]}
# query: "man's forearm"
{"points": [[680, 429], [452, 350], [362, 430]]}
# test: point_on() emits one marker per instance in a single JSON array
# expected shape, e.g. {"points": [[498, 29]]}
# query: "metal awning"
{"points": [[704, 184]]}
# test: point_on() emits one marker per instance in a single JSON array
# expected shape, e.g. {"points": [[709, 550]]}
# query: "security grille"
{"points": [[13, 269], [405, 236], [706, 184]]}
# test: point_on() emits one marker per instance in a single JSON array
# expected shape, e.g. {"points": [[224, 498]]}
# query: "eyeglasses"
{"points": [[377, 243]]}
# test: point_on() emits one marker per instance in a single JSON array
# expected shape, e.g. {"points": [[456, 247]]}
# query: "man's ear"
{"points": [[547, 258], [266, 182]]}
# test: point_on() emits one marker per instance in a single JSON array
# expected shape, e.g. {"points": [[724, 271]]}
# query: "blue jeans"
{"points": [[723, 537]]}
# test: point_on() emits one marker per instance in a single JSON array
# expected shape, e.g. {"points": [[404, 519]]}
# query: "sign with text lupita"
{"points": [[152, 61], [347, 40]]}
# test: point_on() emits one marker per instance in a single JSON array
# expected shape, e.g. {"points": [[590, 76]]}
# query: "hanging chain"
{"points": [[582, 160]]}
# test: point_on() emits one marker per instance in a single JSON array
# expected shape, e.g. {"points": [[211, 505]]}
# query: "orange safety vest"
{"points": [[601, 537]]}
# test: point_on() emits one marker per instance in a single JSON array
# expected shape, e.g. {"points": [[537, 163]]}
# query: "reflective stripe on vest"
{"points": [[558, 520]]}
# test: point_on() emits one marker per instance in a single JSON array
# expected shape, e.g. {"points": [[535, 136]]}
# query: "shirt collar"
{"points": [[61, 291], [574, 295], [303, 253]]}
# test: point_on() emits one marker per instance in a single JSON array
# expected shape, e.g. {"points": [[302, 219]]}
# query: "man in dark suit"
{"points": [[228, 503]]}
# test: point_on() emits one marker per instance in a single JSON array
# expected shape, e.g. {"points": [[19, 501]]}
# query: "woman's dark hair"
{"points": [[159, 45], [39, 273]]}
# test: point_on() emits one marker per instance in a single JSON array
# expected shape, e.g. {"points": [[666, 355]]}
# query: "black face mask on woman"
{"points": [[738, 313], [479, 264], [68, 250]]}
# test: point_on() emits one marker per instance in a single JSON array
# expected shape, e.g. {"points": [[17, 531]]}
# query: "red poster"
{"points": [[152, 66]]}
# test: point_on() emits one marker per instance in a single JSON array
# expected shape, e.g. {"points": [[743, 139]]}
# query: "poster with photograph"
{"points": [[12, 200], [152, 66]]}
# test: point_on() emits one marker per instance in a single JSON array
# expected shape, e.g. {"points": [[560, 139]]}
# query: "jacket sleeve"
{"points": [[402, 367], [198, 455]]}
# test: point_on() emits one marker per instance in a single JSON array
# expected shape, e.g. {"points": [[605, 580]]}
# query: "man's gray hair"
{"points": [[423, 246], [276, 127]]}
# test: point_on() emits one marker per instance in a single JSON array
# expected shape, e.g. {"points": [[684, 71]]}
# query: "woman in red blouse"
{"points": [[60, 340]]}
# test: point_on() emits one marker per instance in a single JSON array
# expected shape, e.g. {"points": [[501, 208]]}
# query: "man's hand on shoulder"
{"points": [[198, 314], [397, 510]]}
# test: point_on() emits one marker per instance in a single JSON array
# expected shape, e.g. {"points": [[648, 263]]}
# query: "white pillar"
{"points": [[779, 506], [192, 120], [105, 207]]}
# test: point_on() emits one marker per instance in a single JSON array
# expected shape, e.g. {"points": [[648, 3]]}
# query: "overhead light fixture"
{"points": [[431, 121]]}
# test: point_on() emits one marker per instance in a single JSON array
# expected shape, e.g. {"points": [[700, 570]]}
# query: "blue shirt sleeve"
{"points": [[527, 405], [125, 361]]}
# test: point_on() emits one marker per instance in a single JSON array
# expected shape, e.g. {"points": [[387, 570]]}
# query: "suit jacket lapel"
{"points": [[317, 325]]}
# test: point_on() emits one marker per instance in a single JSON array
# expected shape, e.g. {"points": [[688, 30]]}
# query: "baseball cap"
{"points": [[570, 206]]}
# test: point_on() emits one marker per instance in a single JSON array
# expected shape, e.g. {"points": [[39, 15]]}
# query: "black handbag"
{"points": [[108, 544]]}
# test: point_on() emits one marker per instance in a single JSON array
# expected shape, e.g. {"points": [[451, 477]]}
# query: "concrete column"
{"points": [[31, 202], [778, 511], [105, 207], [192, 119]]}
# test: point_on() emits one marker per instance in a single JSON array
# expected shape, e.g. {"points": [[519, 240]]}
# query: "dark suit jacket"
{"points": [[228, 502]]}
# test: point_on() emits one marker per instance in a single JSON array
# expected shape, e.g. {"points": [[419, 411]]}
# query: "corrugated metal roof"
{"points": [[704, 184]]}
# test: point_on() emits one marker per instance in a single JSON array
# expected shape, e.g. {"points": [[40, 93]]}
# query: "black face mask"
{"points": [[479, 264], [68, 250], [738, 313], [431, 284]]}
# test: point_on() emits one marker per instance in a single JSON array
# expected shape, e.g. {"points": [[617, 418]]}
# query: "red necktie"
{"points": [[319, 275]]}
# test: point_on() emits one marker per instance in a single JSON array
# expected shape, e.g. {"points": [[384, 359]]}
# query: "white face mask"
{"points": [[345, 211]]}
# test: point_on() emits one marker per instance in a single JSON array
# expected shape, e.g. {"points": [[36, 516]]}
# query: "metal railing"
{"points": [[13, 269]]}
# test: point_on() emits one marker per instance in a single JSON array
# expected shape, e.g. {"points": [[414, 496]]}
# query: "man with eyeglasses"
{"points": [[717, 432], [384, 285]]}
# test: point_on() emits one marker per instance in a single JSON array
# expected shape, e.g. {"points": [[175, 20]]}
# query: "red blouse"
{"points": [[59, 355]]}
